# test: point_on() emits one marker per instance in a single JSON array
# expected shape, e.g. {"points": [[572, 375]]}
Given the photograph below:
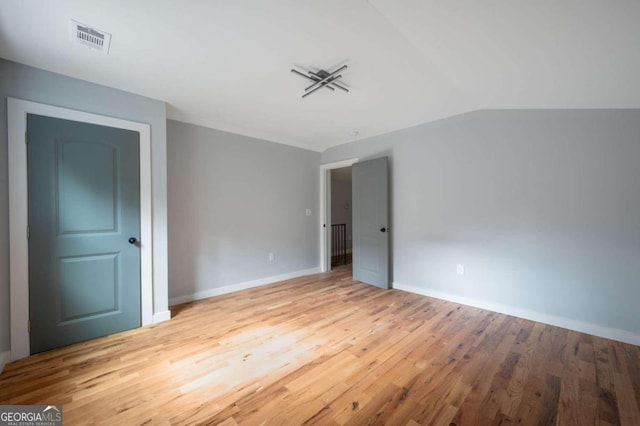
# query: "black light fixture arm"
{"points": [[316, 79], [322, 79], [326, 78]]}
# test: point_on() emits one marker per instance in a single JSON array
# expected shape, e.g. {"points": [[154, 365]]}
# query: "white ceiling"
{"points": [[225, 64]]}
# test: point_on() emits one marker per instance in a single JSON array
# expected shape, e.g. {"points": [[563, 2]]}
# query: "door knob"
{"points": [[383, 229], [133, 240]]}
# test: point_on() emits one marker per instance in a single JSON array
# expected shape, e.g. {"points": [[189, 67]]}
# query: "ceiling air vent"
{"points": [[91, 37]]}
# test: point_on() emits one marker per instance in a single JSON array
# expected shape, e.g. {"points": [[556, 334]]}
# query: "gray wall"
{"points": [[341, 204], [232, 200], [32, 84], [542, 208]]}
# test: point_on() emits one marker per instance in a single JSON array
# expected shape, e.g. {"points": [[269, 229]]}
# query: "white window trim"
{"points": [[325, 209], [17, 110]]}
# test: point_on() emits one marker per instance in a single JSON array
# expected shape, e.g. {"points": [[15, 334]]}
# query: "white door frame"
{"points": [[17, 110], [325, 209]]}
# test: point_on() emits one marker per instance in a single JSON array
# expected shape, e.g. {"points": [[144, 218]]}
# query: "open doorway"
{"points": [[341, 217], [368, 209], [326, 210]]}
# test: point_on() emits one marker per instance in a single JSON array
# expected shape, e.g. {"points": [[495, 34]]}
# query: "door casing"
{"points": [[17, 110]]}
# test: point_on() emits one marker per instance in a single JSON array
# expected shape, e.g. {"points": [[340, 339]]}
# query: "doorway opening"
{"points": [[341, 217], [369, 218], [326, 220]]}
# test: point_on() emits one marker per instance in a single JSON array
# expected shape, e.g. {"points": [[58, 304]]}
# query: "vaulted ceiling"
{"points": [[226, 64]]}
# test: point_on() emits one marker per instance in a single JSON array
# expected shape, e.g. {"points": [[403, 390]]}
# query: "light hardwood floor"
{"points": [[326, 350]]}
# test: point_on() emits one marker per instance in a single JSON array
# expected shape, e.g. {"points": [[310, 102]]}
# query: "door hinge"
{"points": [[28, 232], [29, 327], [26, 137]]}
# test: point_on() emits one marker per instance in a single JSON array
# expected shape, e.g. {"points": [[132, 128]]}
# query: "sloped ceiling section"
{"points": [[529, 54], [225, 64]]}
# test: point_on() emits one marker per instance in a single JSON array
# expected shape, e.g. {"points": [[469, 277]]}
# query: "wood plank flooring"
{"points": [[326, 350]]}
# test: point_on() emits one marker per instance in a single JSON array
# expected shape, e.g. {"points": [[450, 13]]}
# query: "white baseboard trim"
{"points": [[240, 286], [5, 357], [161, 316], [558, 321]]}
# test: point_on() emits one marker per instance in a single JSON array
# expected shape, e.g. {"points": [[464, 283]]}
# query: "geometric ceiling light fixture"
{"points": [[321, 79]]}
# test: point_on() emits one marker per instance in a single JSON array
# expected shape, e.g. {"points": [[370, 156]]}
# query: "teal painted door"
{"points": [[84, 206], [370, 195]]}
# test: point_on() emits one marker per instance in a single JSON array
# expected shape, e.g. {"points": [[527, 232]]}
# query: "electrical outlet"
{"points": [[272, 257], [308, 212], [460, 269]]}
